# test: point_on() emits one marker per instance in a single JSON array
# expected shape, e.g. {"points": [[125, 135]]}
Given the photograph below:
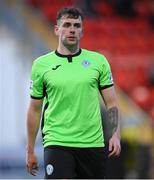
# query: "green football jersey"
{"points": [[70, 85]]}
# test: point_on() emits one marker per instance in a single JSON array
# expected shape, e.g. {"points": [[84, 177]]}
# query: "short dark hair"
{"points": [[72, 12]]}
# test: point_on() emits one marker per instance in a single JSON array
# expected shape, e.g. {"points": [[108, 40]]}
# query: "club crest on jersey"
{"points": [[85, 63], [49, 169]]}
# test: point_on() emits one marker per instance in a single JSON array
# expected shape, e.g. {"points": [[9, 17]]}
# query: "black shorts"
{"points": [[74, 163]]}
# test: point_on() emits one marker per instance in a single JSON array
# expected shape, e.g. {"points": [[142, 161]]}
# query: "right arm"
{"points": [[33, 123]]}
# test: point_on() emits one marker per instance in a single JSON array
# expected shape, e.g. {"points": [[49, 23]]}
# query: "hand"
{"points": [[32, 164], [114, 146]]}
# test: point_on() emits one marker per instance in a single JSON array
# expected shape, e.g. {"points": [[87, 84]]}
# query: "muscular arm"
{"points": [[113, 120], [33, 122]]}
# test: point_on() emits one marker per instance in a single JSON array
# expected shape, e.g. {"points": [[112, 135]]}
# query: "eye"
{"points": [[77, 25], [67, 24]]}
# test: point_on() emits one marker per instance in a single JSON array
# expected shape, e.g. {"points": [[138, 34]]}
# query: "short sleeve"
{"points": [[36, 84], [106, 79]]}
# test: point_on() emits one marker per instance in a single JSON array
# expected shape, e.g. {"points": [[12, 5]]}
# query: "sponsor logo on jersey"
{"points": [[49, 169], [111, 77], [86, 63], [57, 66]]}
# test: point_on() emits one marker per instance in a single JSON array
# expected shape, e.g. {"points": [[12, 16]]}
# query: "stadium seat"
{"points": [[104, 8], [141, 95]]}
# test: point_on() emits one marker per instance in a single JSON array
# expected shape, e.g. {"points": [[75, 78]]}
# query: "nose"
{"points": [[72, 29]]}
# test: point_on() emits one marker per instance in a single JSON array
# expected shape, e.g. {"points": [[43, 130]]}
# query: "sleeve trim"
{"points": [[33, 97], [105, 87]]}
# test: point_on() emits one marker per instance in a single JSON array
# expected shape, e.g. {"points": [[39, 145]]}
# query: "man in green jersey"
{"points": [[69, 81]]}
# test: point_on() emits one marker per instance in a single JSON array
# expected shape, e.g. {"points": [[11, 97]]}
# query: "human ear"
{"points": [[56, 30], [82, 33]]}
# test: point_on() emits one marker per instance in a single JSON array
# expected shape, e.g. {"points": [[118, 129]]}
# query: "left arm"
{"points": [[110, 100]]}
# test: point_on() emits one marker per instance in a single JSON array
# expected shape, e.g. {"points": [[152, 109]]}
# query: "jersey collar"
{"points": [[68, 56]]}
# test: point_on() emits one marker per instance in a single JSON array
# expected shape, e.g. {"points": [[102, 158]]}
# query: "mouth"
{"points": [[71, 38]]}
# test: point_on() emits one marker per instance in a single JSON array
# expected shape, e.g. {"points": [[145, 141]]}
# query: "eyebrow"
{"points": [[75, 24]]}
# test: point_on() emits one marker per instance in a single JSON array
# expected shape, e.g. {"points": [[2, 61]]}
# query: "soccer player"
{"points": [[66, 83]]}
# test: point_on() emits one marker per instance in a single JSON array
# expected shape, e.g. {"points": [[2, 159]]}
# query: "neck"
{"points": [[68, 50]]}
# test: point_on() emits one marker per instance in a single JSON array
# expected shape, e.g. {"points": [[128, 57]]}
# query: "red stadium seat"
{"points": [[35, 3], [141, 95], [104, 8], [51, 7]]}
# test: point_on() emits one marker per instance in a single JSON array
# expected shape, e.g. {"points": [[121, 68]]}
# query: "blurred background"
{"points": [[123, 30]]}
